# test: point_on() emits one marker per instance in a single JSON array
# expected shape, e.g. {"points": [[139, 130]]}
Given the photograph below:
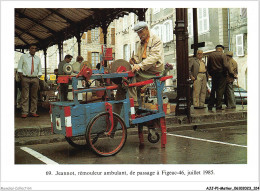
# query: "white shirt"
{"points": [[76, 66], [25, 65]]}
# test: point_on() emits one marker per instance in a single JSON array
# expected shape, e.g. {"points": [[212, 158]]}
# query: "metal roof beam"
{"points": [[61, 16], [21, 38], [37, 22], [28, 33]]}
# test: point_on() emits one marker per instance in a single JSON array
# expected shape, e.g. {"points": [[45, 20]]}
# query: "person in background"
{"points": [[29, 70], [76, 65], [231, 76], [198, 74], [56, 74], [217, 68], [64, 87]]}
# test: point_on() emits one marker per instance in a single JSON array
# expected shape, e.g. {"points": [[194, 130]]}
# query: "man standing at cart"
{"points": [[217, 68], [29, 70], [64, 87], [148, 61]]}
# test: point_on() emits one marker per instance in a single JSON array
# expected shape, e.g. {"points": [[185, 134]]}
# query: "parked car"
{"points": [[240, 94]]}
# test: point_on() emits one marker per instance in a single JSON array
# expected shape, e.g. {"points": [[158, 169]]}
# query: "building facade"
{"points": [[226, 26]]}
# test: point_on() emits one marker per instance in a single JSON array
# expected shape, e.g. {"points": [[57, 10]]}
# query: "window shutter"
{"points": [[89, 36], [124, 22], [84, 36], [101, 36], [239, 45], [163, 33], [113, 36], [89, 57], [132, 20], [171, 30], [243, 12]]}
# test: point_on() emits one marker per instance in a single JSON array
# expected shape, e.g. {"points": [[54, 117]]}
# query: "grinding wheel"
{"points": [[120, 62], [115, 66], [67, 68]]}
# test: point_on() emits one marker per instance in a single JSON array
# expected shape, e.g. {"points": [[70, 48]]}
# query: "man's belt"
{"points": [[202, 72], [29, 76]]}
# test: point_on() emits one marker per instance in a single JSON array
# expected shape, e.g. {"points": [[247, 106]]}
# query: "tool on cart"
{"points": [[94, 124]]}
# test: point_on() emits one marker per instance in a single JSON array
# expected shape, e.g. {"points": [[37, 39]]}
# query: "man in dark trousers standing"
{"points": [[29, 70], [217, 68]]}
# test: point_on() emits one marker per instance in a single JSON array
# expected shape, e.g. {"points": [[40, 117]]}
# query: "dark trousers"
{"points": [[218, 88], [64, 92], [30, 88]]}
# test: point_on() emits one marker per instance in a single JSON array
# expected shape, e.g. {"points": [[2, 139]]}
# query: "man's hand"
{"points": [[136, 67], [192, 78], [132, 61]]}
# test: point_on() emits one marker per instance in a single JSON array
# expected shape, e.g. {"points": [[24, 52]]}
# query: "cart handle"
{"points": [[140, 83]]}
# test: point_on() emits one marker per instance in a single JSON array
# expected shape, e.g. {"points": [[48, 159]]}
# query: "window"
{"points": [[157, 31], [113, 36], [156, 10], [239, 45], [126, 52], [94, 34], [168, 30], [243, 12], [203, 20], [94, 59], [190, 22]]}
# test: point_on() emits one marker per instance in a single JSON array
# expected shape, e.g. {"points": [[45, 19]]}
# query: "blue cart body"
{"points": [[71, 119], [76, 121]]}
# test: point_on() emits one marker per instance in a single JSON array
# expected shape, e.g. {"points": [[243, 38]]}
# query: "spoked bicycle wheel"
{"points": [[98, 138], [78, 142]]}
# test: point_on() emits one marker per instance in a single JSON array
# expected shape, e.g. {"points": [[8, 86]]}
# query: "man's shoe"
{"points": [[196, 107], [219, 109], [201, 107], [23, 116], [34, 115]]}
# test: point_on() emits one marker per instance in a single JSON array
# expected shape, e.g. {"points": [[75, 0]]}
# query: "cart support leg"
{"points": [[163, 131], [140, 134]]}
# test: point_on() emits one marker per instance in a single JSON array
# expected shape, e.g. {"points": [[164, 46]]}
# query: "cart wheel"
{"points": [[97, 134], [153, 138], [78, 142]]}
